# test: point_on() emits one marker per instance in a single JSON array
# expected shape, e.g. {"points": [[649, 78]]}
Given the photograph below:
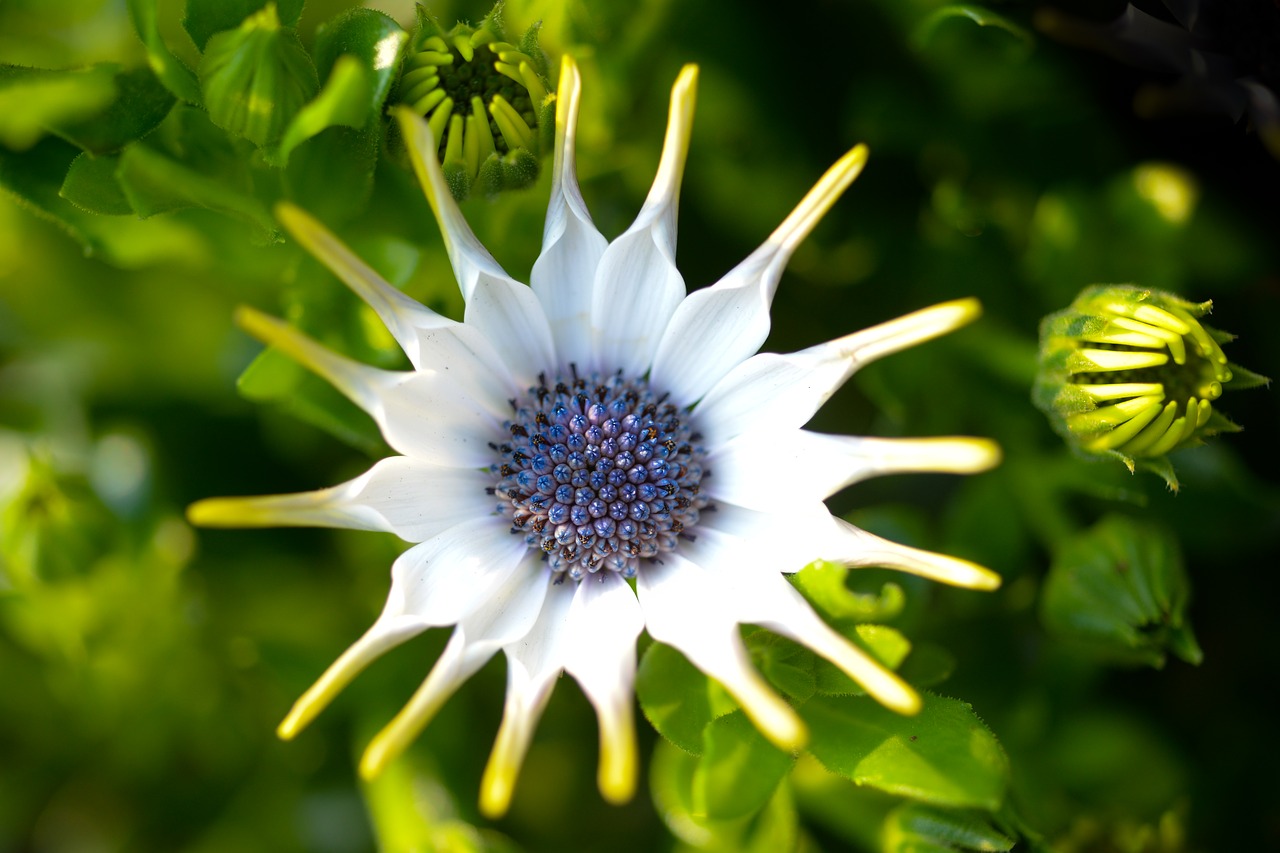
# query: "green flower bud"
{"points": [[255, 78], [1120, 588], [485, 99], [1132, 373]]}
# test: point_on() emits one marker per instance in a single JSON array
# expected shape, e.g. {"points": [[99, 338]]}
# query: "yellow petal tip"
{"points": [[219, 512], [373, 762], [495, 798], [617, 787]]}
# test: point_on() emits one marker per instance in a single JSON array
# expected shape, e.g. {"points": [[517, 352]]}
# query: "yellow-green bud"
{"points": [[487, 101], [1132, 373]]}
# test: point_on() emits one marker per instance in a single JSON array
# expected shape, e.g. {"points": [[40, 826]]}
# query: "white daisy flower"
{"points": [[598, 426]]}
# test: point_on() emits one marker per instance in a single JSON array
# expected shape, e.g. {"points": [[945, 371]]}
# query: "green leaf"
{"points": [[977, 14], [672, 779], [824, 584], [33, 179], [1120, 587], [153, 184], [343, 101], [738, 770], [677, 698], [404, 821], [204, 18], [275, 378], [33, 101], [789, 666], [176, 77], [927, 665], [256, 78], [917, 828], [91, 186], [944, 755], [331, 175], [141, 104]]}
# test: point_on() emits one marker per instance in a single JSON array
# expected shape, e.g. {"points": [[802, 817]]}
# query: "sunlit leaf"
{"points": [[677, 698], [773, 828], [738, 770], [823, 583], [944, 755]]}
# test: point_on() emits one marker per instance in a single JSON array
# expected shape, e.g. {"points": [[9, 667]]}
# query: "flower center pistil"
{"points": [[598, 473]]}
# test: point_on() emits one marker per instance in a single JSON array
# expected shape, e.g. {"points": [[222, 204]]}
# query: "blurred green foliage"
{"points": [[144, 665]]}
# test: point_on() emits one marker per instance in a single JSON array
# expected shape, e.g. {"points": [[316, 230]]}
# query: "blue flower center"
{"points": [[598, 473]]}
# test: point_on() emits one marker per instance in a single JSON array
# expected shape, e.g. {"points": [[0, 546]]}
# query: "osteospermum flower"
{"points": [[566, 437]]}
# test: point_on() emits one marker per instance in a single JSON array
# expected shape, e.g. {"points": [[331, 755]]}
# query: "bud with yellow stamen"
{"points": [[485, 99], [1132, 373]]}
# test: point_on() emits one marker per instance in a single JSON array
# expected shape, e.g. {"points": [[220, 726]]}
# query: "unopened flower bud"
{"points": [[485, 99], [1131, 372], [1120, 589]]}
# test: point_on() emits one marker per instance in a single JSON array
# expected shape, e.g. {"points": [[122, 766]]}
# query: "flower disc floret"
{"points": [[599, 473]]}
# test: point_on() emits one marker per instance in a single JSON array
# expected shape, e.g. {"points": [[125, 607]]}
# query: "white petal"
{"points": [[534, 662], [506, 312], [422, 413], [427, 338], [469, 257], [600, 652], [408, 497], [571, 245], [772, 470], [637, 286], [856, 547], [786, 542], [773, 391], [758, 594], [684, 609], [450, 576], [505, 617], [509, 316], [715, 329]]}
